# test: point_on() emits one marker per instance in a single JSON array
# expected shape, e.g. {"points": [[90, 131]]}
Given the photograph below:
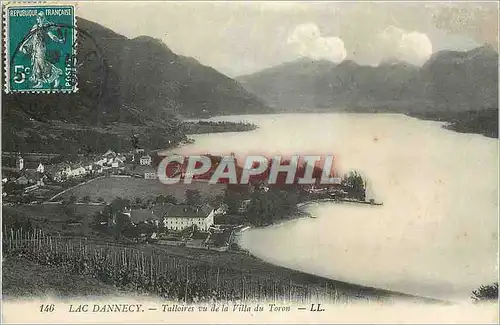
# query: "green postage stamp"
{"points": [[40, 48]]}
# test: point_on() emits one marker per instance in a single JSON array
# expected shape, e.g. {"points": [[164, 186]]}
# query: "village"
{"points": [[122, 200], [31, 175], [161, 219]]}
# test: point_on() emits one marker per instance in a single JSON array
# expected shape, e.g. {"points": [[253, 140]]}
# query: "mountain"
{"points": [[126, 86], [153, 77], [307, 85], [458, 81], [462, 81]]}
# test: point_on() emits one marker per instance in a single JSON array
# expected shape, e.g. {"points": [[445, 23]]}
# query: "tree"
{"points": [[171, 199], [261, 208], [119, 205], [100, 199], [233, 200], [86, 199], [193, 197], [115, 211], [134, 139], [354, 184], [122, 225], [161, 199], [275, 203], [485, 293]]}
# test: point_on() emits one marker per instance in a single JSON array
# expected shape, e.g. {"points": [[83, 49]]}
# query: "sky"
{"points": [[238, 38]]}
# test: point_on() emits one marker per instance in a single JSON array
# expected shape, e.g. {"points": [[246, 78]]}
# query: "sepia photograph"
{"points": [[260, 162]]}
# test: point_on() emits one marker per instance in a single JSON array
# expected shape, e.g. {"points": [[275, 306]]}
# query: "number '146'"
{"points": [[47, 308]]}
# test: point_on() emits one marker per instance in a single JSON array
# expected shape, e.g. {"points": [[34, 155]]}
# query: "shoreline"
{"points": [[451, 124]]}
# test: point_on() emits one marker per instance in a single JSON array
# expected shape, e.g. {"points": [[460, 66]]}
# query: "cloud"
{"points": [[396, 43], [306, 40]]}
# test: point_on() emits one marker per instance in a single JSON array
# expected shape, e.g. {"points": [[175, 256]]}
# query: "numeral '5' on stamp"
{"points": [[40, 49]]}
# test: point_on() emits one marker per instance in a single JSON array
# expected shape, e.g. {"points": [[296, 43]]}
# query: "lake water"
{"points": [[436, 234]]}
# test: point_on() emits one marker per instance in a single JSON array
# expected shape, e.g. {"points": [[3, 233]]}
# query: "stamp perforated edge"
{"points": [[6, 54]]}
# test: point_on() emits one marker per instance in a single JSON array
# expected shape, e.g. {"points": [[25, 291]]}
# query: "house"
{"points": [[150, 175], [19, 163], [175, 216], [30, 188], [30, 177], [97, 168], [146, 160], [148, 172], [40, 168], [117, 163], [244, 206], [22, 180], [141, 215], [222, 209], [77, 171], [181, 216], [101, 161], [40, 179], [58, 171], [109, 153]]}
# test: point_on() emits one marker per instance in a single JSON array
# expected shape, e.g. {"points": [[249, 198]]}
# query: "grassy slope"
{"points": [[22, 278], [131, 188]]}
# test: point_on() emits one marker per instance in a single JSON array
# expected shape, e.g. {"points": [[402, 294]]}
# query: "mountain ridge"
{"points": [[139, 85], [393, 81], [460, 88]]}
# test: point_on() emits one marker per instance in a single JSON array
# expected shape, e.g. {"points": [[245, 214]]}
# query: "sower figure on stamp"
{"points": [[43, 71]]}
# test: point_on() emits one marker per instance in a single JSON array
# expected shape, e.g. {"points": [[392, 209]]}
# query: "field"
{"points": [[69, 220], [24, 278], [182, 274], [131, 188]]}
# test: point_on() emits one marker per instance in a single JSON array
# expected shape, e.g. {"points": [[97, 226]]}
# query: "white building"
{"points": [[117, 163], [89, 167], [59, 171], [78, 171], [180, 222], [20, 163], [40, 168], [150, 175], [109, 153], [181, 216], [101, 161], [175, 216], [146, 160]]}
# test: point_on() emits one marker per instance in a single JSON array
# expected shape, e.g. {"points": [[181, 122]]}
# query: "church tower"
{"points": [[20, 163]]}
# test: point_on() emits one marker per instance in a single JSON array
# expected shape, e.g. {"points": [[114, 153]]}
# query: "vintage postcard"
{"points": [[255, 162]]}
